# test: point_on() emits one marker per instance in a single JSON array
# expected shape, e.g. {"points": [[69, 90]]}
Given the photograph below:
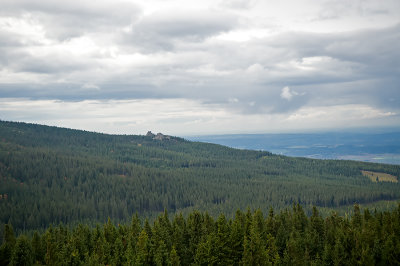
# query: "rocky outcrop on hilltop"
{"points": [[159, 136], [150, 134]]}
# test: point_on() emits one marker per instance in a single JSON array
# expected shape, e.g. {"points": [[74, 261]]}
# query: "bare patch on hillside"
{"points": [[379, 177]]}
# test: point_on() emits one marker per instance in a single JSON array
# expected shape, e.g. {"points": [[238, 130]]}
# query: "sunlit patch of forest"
{"points": [[380, 177]]}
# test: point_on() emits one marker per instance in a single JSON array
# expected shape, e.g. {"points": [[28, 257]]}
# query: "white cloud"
{"points": [[341, 116], [90, 86], [288, 94], [186, 117]]}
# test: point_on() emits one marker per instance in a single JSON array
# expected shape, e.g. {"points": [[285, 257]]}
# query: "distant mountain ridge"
{"points": [[52, 175]]}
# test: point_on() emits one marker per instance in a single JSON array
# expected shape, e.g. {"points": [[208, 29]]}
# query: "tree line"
{"points": [[289, 237]]}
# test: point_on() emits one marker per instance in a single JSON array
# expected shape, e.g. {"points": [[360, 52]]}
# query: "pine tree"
{"points": [[161, 255], [224, 255], [207, 252], [180, 239], [201, 257], [254, 252], [174, 257], [270, 222], [391, 251], [22, 253], [8, 245], [367, 257], [134, 230], [51, 247], [294, 253], [119, 253], [38, 249], [356, 219], [110, 232], [143, 249], [100, 246], [237, 237], [195, 231], [272, 250], [316, 234]]}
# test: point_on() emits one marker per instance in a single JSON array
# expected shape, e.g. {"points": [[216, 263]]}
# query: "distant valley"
{"points": [[367, 147]]}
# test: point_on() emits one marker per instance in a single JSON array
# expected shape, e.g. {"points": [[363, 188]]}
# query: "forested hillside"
{"points": [[52, 175]]}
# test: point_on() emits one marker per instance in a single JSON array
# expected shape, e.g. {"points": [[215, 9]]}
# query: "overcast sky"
{"points": [[201, 67]]}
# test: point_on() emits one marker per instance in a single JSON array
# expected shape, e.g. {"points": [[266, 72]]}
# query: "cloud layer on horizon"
{"points": [[247, 58]]}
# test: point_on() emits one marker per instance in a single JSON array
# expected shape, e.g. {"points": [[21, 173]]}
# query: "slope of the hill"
{"points": [[52, 175]]}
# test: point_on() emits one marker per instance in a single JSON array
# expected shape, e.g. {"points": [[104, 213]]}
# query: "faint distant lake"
{"points": [[368, 147]]}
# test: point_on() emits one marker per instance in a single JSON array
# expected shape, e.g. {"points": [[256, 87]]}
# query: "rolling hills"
{"points": [[53, 175]]}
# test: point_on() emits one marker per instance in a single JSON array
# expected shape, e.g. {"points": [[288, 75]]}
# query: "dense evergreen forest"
{"points": [[52, 175], [286, 238]]}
